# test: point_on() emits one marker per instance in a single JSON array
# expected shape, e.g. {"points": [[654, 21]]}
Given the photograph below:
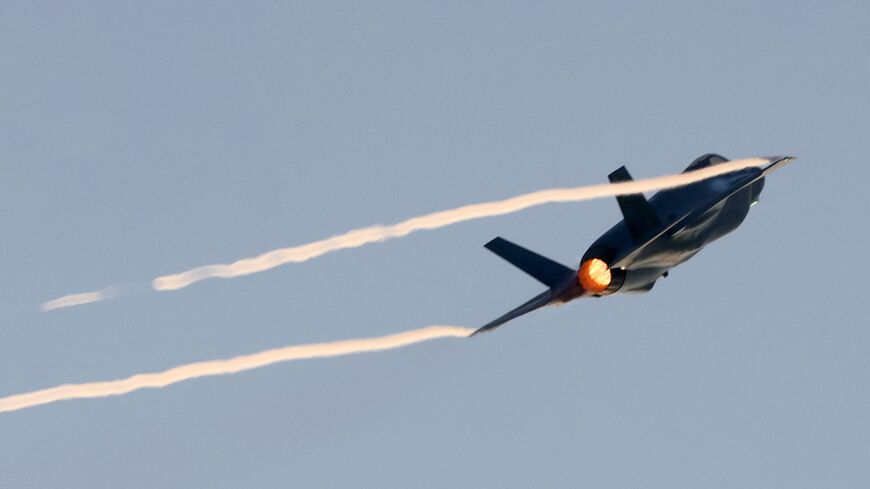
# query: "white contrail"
{"points": [[373, 234], [229, 366], [79, 299]]}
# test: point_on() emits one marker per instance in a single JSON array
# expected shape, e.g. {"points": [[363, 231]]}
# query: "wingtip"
{"points": [[777, 159], [478, 331]]}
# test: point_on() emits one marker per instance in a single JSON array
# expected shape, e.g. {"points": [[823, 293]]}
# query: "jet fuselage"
{"points": [[703, 223], [653, 237]]}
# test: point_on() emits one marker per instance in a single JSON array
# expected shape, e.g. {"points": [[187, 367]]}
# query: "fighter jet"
{"points": [[653, 237]]}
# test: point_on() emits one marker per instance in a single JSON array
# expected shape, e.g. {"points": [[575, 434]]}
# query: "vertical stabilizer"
{"points": [[640, 217]]}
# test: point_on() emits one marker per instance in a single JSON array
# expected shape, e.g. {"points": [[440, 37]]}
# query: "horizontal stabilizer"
{"points": [[640, 217], [543, 269]]}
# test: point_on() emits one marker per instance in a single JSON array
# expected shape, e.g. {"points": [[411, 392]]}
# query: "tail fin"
{"points": [[639, 215], [543, 269]]}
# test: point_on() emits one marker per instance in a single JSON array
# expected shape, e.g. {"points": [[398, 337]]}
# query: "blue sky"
{"points": [[142, 140]]}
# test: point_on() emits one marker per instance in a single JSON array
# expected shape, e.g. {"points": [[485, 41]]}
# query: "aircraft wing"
{"points": [[536, 302], [625, 259], [777, 162]]}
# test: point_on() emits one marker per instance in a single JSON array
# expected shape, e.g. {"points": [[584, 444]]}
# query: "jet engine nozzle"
{"points": [[594, 275]]}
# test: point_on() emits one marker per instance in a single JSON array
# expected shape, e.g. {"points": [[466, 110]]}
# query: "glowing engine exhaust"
{"points": [[594, 275]]}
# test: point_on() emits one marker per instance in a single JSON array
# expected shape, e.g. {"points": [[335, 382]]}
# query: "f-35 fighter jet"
{"points": [[654, 236]]}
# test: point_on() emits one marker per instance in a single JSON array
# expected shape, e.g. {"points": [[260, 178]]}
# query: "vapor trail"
{"points": [[79, 299], [229, 366], [373, 234]]}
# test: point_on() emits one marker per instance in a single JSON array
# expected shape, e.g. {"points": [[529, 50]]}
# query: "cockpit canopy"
{"points": [[705, 161]]}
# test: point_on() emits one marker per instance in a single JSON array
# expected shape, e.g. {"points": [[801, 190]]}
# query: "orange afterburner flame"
{"points": [[594, 275]]}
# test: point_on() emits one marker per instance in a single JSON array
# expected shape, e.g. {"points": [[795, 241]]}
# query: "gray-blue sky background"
{"points": [[141, 140]]}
